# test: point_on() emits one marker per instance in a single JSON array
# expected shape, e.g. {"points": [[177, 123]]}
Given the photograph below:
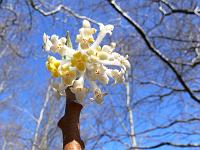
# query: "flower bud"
{"points": [[103, 55], [86, 24]]}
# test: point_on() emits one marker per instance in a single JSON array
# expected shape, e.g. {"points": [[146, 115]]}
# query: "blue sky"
{"points": [[37, 76]]}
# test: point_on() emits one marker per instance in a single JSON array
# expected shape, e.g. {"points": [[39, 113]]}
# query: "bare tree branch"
{"points": [[153, 48], [175, 10], [167, 144], [130, 113], [58, 9], [169, 125], [40, 118]]}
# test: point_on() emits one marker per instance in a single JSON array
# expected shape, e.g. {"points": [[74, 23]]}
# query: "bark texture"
{"points": [[69, 124]]}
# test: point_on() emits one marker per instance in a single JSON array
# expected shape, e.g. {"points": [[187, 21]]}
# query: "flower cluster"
{"points": [[89, 61]]}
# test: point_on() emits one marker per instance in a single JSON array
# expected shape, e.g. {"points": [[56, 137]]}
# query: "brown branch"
{"points": [[69, 124]]}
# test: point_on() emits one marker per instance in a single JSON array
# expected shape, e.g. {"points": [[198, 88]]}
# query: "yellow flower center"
{"points": [[59, 46], [79, 61], [52, 65], [84, 41], [97, 94]]}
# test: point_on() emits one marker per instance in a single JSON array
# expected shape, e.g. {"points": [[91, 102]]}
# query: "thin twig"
{"points": [[153, 49]]}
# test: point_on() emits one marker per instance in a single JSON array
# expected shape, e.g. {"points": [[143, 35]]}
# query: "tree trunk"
{"points": [[69, 124]]}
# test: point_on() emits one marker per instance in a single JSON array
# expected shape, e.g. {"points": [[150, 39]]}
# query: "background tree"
{"points": [[157, 107]]}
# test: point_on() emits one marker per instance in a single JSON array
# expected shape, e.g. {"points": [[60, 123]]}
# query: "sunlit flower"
{"points": [[109, 48], [98, 72], [103, 31], [124, 61], [103, 55], [79, 61], [120, 60], [85, 36], [52, 65], [58, 45], [98, 95], [91, 60], [79, 90], [106, 29], [118, 76], [46, 42], [86, 24], [68, 75]]}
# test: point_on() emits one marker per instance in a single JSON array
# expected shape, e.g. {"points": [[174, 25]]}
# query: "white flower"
{"points": [[103, 31], [106, 29], [90, 61], [118, 76], [54, 39], [66, 51], [98, 95], [109, 48], [103, 55], [87, 32], [124, 62], [46, 42], [98, 72], [67, 73], [86, 24], [58, 45], [85, 36], [110, 62], [79, 90]]}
